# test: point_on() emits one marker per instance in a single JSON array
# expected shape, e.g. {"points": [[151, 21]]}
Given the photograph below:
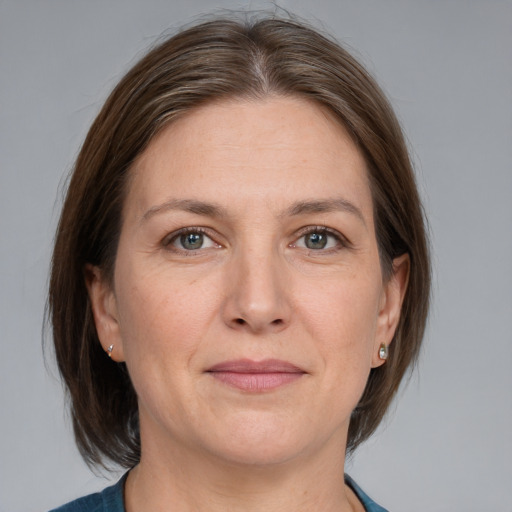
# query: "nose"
{"points": [[258, 293]]}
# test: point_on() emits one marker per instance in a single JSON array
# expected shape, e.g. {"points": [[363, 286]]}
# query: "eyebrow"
{"points": [[215, 210], [187, 205], [325, 206]]}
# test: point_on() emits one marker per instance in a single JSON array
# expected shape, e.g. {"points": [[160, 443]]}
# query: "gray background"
{"points": [[447, 67]]}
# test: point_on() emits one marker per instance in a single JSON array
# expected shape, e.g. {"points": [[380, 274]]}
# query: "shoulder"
{"points": [[368, 503], [108, 500]]}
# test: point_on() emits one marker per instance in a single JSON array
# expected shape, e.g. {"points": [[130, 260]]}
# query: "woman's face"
{"points": [[248, 300]]}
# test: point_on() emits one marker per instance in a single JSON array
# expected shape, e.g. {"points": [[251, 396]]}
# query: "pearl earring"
{"points": [[383, 352], [110, 350]]}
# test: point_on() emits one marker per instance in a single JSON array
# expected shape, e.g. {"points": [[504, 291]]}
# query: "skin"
{"points": [[254, 290]]}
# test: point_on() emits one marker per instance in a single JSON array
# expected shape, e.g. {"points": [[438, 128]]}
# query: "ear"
{"points": [[390, 306], [104, 309]]}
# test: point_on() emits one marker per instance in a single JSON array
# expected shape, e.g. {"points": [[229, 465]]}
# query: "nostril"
{"points": [[277, 323]]}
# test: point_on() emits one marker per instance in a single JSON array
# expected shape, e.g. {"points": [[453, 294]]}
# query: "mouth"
{"points": [[256, 376]]}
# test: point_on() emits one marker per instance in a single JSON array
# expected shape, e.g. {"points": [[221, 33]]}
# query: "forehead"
{"points": [[276, 150]]}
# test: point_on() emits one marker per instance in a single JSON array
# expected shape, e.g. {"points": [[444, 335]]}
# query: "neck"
{"points": [[184, 480]]}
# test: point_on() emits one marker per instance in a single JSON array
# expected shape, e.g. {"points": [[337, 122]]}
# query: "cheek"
{"points": [[163, 315], [342, 316], [160, 331], [340, 320]]}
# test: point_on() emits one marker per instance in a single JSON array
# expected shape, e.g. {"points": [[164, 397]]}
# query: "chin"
{"points": [[258, 455], [259, 443]]}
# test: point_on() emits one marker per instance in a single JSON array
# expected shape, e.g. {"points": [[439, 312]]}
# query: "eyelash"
{"points": [[341, 241], [169, 240]]}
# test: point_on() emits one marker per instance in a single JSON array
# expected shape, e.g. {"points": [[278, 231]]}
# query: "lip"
{"points": [[256, 376]]}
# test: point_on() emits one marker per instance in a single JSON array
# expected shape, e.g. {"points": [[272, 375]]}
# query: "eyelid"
{"points": [[342, 240], [167, 241]]}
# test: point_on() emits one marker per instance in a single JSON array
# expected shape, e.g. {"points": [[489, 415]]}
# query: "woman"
{"points": [[240, 277]]}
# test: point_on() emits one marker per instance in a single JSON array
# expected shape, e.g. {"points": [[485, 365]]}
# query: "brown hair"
{"points": [[214, 60]]}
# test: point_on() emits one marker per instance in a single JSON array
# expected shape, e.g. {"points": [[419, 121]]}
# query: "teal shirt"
{"points": [[111, 500]]}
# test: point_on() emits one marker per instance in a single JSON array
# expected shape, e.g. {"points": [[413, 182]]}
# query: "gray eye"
{"points": [[191, 241], [316, 240]]}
